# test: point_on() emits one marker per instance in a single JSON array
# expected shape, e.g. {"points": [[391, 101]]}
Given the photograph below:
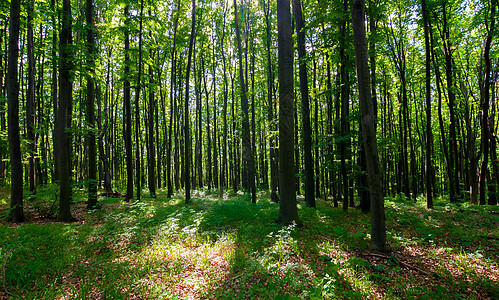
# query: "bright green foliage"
{"points": [[221, 249]]}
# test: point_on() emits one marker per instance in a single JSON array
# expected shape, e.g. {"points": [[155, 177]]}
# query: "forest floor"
{"points": [[227, 248]]}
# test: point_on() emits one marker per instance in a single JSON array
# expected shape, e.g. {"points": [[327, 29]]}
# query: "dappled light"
{"points": [[217, 249]]}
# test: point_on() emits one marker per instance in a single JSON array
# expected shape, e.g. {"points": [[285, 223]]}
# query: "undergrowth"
{"points": [[232, 249]]}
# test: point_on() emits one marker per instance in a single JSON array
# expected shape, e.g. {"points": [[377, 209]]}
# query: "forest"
{"points": [[250, 149]]}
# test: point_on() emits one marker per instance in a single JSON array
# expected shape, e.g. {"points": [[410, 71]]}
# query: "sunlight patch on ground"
{"points": [[187, 269]]}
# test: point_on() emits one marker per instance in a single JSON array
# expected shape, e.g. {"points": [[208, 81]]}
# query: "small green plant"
{"points": [[44, 202]]}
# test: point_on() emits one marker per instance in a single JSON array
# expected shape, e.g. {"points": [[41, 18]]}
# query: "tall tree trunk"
{"points": [[16, 189], [64, 113], [54, 95], [485, 104], [104, 152], [345, 102], [249, 159], [493, 183], [305, 107], [224, 183], [288, 212], [138, 172], [378, 229], [152, 113], [429, 137], [151, 151], [172, 84], [316, 131], [274, 163], [92, 155], [449, 70], [187, 139], [128, 111], [3, 123], [199, 125], [208, 125], [215, 113], [30, 101]]}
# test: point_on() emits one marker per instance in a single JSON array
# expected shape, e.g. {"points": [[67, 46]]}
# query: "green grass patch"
{"points": [[229, 248]]}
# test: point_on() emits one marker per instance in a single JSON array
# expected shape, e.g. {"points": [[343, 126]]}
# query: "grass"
{"points": [[228, 248]]}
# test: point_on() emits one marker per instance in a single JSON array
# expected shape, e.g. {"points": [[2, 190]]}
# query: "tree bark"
{"points": [[345, 102], [429, 137], [127, 135], [64, 113], [249, 159], [273, 152], [16, 190], [187, 139], [151, 151], [485, 105], [92, 153], [288, 212], [172, 84], [30, 100], [378, 229], [305, 106], [138, 172]]}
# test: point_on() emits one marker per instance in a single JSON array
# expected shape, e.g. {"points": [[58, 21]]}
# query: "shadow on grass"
{"points": [[228, 249]]}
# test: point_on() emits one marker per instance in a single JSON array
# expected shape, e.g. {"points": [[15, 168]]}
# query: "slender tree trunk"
{"points": [[54, 89], [288, 212], [305, 109], [104, 152], [16, 189], [151, 153], [316, 131], [225, 173], [138, 172], [208, 125], [485, 105], [215, 114], [429, 137], [3, 104], [199, 125], [172, 84], [453, 154], [92, 155], [274, 163], [493, 183], [187, 139], [64, 113], [345, 102], [30, 103], [378, 229], [249, 159], [128, 112]]}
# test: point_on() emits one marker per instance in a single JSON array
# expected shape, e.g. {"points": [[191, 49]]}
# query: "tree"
{"points": [[138, 173], [16, 168], [172, 83], [485, 104], [288, 213], [273, 152], [187, 139], [378, 230], [30, 101], [127, 124], [305, 109], [249, 158], [64, 113], [92, 153], [429, 138]]}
